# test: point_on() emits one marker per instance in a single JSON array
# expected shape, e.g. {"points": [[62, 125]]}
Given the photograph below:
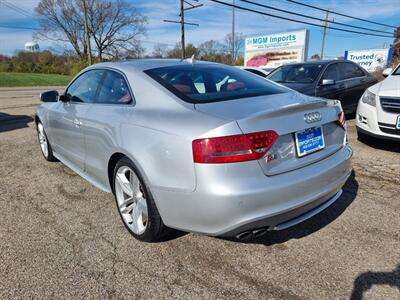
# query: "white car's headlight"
{"points": [[369, 98]]}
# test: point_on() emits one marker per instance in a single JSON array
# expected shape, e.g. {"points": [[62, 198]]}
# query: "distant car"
{"points": [[259, 60], [334, 79], [258, 71], [197, 146], [378, 111]]}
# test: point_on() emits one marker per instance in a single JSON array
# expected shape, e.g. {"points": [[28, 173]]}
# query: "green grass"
{"points": [[10, 79]]}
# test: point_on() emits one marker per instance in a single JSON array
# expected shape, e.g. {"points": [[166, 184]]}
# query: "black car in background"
{"points": [[333, 79]]}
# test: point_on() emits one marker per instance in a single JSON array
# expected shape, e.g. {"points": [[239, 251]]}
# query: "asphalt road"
{"points": [[60, 237]]}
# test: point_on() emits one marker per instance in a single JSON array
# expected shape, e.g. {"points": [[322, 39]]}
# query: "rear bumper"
{"points": [[230, 199], [288, 219]]}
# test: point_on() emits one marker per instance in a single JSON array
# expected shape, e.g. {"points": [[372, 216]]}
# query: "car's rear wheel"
{"points": [[44, 143], [135, 203]]}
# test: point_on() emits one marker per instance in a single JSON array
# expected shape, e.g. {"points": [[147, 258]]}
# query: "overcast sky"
{"points": [[215, 23]]}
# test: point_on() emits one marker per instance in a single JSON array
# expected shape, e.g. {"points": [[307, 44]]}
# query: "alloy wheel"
{"points": [[43, 140], [131, 200]]}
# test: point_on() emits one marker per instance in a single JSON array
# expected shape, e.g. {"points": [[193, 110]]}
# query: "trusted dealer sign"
{"points": [[370, 59]]}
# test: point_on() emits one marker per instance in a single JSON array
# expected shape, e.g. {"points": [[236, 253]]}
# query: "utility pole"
{"points": [[183, 29], [233, 33], [87, 37], [324, 34], [183, 23]]}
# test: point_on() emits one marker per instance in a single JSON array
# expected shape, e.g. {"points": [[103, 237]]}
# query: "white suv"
{"points": [[378, 111]]}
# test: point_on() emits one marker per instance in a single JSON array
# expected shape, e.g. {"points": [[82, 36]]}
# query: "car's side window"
{"points": [[349, 71], [277, 75], [331, 72], [84, 88], [114, 90], [358, 72]]}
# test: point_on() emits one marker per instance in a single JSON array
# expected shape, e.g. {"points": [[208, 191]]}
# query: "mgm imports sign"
{"points": [[273, 50]]}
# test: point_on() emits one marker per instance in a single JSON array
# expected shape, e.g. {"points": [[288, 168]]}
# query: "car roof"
{"points": [[146, 64], [318, 62]]}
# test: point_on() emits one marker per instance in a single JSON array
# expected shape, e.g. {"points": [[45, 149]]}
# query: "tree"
{"points": [[159, 51], [114, 25], [315, 57], [209, 50], [237, 45], [62, 21], [190, 50]]}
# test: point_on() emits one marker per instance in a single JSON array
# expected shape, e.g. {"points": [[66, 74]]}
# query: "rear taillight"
{"points": [[233, 148], [341, 121]]}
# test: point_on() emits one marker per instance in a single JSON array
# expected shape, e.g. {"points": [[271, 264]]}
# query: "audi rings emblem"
{"points": [[312, 117]]}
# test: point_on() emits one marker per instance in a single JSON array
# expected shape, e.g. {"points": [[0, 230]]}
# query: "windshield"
{"points": [[305, 73], [204, 83]]}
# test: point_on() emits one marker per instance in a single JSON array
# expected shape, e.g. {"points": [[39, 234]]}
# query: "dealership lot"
{"points": [[61, 237]]}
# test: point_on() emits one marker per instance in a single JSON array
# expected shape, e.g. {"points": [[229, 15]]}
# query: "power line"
{"points": [[298, 21], [16, 8], [314, 18], [340, 14], [18, 27], [182, 21]]}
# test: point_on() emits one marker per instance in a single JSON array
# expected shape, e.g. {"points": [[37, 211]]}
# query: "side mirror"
{"points": [[63, 98], [386, 72], [49, 96], [326, 82]]}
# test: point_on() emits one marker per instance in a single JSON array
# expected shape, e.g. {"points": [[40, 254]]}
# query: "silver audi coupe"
{"points": [[197, 146]]}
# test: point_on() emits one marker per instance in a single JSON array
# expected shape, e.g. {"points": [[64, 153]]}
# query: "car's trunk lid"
{"points": [[285, 114]]}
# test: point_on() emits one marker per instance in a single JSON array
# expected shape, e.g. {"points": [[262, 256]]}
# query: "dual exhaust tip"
{"points": [[250, 234]]}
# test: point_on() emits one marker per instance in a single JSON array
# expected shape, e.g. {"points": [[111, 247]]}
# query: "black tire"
{"points": [[49, 157], [155, 229]]}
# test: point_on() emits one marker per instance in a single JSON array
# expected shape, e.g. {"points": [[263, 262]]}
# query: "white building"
{"points": [[31, 47]]}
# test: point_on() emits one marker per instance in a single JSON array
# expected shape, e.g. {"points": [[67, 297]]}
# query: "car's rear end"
{"points": [[296, 159], [280, 159]]}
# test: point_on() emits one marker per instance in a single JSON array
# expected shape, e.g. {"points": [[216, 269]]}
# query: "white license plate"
{"points": [[309, 141]]}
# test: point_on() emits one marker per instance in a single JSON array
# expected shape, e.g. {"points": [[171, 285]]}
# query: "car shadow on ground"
{"points": [[367, 280], [12, 122], [312, 225]]}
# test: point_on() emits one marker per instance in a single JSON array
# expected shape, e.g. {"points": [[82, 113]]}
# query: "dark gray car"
{"points": [[331, 79]]}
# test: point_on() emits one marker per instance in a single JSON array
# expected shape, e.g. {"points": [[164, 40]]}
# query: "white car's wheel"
{"points": [[135, 203], [44, 143]]}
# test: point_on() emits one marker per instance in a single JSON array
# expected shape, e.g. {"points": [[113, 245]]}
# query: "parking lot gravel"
{"points": [[60, 237]]}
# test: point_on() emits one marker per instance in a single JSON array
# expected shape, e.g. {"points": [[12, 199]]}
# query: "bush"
{"points": [[41, 62]]}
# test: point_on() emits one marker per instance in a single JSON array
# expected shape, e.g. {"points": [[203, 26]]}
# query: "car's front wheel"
{"points": [[44, 143], [135, 203]]}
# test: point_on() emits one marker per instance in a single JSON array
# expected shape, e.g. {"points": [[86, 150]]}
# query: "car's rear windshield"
{"points": [[205, 83], [302, 73]]}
